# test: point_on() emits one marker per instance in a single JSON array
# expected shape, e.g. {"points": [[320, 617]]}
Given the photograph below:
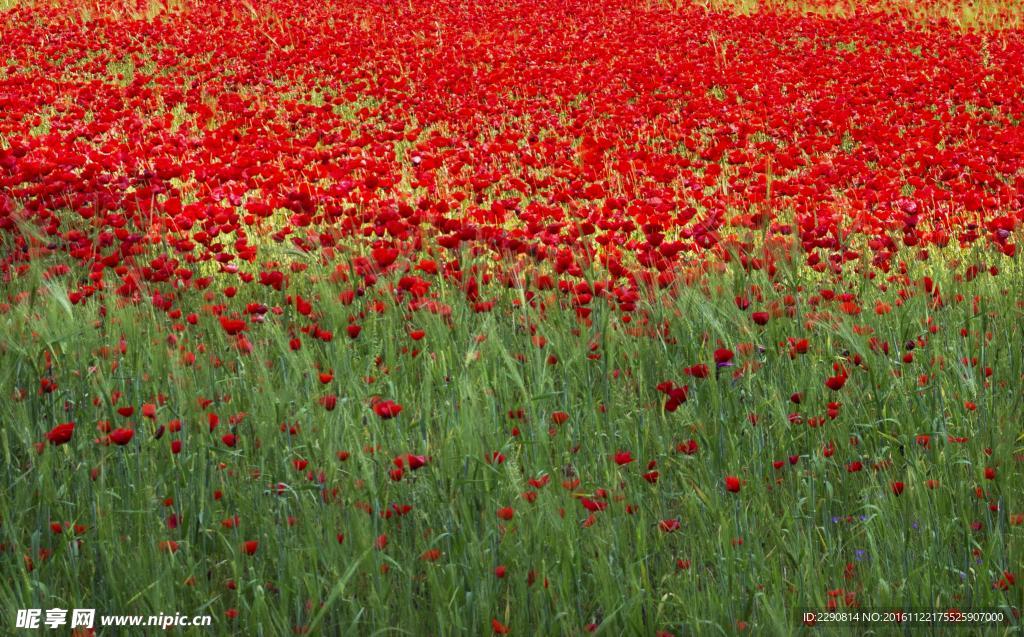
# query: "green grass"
{"points": [[621, 572]]}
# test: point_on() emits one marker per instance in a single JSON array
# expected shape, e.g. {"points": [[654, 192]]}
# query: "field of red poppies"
{"points": [[524, 317]]}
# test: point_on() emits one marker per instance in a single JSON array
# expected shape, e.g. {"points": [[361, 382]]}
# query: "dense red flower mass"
{"points": [[659, 135]]}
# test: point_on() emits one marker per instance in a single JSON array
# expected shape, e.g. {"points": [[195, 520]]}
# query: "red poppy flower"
{"points": [[835, 383], [61, 433], [387, 409], [168, 546], [689, 447], [232, 326], [122, 436], [431, 555]]}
